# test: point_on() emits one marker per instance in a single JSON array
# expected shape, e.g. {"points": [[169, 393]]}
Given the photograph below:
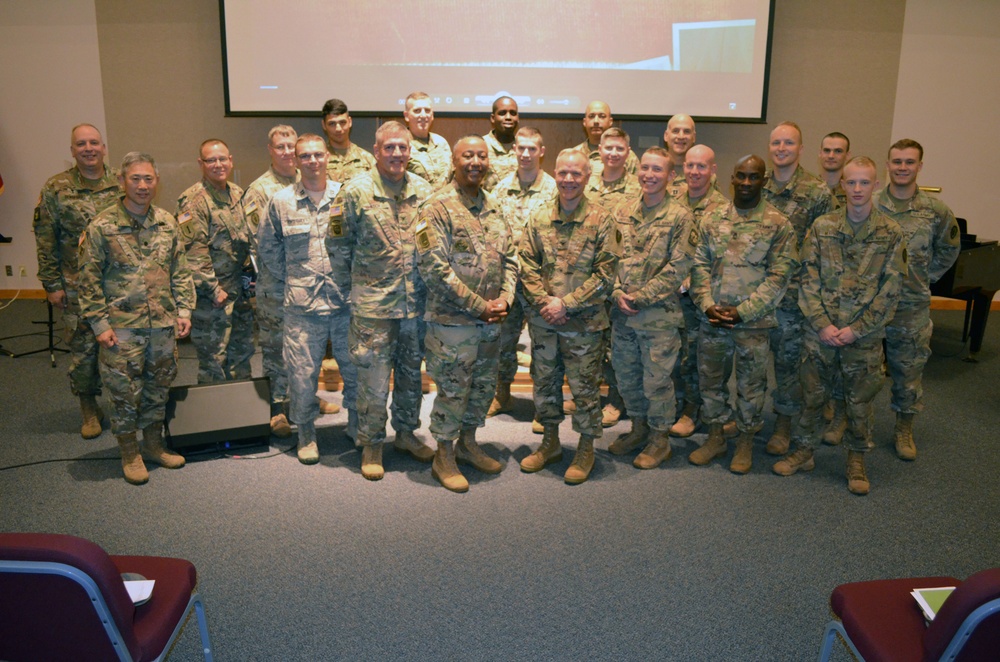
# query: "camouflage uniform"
{"points": [[803, 199], [597, 166], [839, 194], [656, 256], [217, 240], [342, 168], [742, 260], [932, 246], [467, 258], [269, 291], [293, 243], [376, 254], [518, 205], [502, 161], [573, 257], [850, 277], [431, 160], [678, 187], [134, 279], [66, 205]]}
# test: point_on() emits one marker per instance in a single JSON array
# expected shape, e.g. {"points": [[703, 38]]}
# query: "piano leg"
{"points": [[980, 312]]}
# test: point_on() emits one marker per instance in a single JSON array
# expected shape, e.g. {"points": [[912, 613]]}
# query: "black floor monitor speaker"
{"points": [[221, 416]]}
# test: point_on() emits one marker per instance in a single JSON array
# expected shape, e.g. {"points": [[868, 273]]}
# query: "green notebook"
{"points": [[931, 599]]}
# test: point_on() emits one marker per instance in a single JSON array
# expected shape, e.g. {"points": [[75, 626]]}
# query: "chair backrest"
{"points": [[62, 598], [967, 599]]}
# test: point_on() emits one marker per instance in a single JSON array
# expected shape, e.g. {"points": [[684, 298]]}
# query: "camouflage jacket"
{"points": [[656, 256], [571, 256], [216, 237], [374, 243], [744, 261], [518, 204], [502, 162], [65, 207], [254, 206], [611, 194], [678, 188], [133, 274], [932, 243], [293, 244], [431, 160], [344, 167], [852, 278], [597, 166]]}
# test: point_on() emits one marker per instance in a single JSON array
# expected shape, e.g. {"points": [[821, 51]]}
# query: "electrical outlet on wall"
{"points": [[9, 270]]}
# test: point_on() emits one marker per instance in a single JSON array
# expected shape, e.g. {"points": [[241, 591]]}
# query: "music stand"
{"points": [[51, 348]]}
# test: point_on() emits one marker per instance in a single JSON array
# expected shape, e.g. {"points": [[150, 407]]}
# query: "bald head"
{"points": [[679, 136], [699, 168], [596, 120], [748, 181]]}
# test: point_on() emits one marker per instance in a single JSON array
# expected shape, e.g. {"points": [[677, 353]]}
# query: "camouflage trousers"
{"points": [[223, 339], [644, 363], [577, 356], [607, 364], [907, 348], [786, 345], [138, 372], [305, 346], [716, 350], [686, 372], [510, 333], [859, 366], [380, 347], [84, 376], [270, 317], [462, 360]]}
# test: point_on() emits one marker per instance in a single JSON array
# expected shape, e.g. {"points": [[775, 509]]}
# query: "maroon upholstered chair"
{"points": [[63, 598], [881, 622]]}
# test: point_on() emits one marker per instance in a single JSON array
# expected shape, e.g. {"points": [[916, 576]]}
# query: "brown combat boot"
{"points": [[371, 461], [445, 471], [502, 401], [537, 427], [467, 451], [407, 442], [655, 453], [687, 423], [153, 450], [782, 438], [92, 416], [629, 441], [280, 427], [743, 457], [834, 433], [906, 449], [327, 407], [583, 461], [132, 466], [857, 479], [550, 451], [799, 460], [308, 450], [714, 447]]}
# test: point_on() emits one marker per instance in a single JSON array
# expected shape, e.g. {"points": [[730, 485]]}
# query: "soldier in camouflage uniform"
{"points": [[375, 253], [503, 159], [346, 160], [853, 261], [430, 154], [568, 256], [834, 152], [679, 137], [519, 194], [596, 120], [136, 293], [468, 260], [932, 246], [658, 239], [746, 253], [217, 240], [293, 244], [802, 198], [68, 203]]}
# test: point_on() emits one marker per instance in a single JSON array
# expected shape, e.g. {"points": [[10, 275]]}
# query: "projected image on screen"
{"points": [[645, 57]]}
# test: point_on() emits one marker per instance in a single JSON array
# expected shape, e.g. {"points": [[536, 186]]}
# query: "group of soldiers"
{"points": [[635, 273]]}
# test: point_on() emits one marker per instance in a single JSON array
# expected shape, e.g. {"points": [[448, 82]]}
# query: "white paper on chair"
{"points": [[140, 590]]}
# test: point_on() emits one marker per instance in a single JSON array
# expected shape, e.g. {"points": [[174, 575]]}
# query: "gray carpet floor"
{"points": [[678, 563]]}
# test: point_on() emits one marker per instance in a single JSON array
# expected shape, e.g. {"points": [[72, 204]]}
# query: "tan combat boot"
{"points": [[834, 433], [782, 438], [371, 461], [829, 410], [629, 441], [92, 416], [550, 451], [327, 407], [687, 423], [655, 453], [743, 457], [153, 450], [906, 449], [610, 415], [467, 451], [537, 427], [729, 430], [714, 447], [308, 450], [132, 466], [857, 479], [445, 471], [407, 442], [502, 401], [583, 461], [280, 427], [801, 459]]}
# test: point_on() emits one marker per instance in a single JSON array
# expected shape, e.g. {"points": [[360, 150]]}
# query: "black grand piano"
{"points": [[974, 278]]}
